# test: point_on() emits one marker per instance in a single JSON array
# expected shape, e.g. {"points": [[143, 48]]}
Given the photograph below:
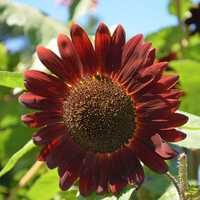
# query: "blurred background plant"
{"points": [[174, 29]]}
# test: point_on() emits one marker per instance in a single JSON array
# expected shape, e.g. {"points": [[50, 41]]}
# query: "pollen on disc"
{"points": [[99, 115]]}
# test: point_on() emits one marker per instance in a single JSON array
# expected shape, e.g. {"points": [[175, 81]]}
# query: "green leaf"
{"points": [[189, 72], [149, 189], [67, 195], [166, 40], [170, 193], [45, 187], [11, 79], [72, 8], [96, 197], [191, 51], [192, 193], [13, 133], [192, 129], [125, 194], [81, 9], [17, 156], [184, 7], [3, 57]]}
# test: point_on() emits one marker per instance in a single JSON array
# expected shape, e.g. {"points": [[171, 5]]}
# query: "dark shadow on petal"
{"points": [[84, 49]]}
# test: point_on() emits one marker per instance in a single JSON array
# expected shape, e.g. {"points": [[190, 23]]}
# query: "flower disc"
{"points": [[99, 115]]}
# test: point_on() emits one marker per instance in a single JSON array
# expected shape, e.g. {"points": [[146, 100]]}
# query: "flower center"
{"points": [[99, 115]]}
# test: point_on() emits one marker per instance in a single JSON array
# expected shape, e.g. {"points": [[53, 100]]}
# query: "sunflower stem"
{"points": [[178, 12], [183, 41], [31, 173], [182, 172], [176, 184]]}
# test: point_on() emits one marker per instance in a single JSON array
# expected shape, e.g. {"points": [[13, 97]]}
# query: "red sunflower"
{"points": [[103, 110]]}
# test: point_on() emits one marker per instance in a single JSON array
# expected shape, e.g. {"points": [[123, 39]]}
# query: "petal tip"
{"points": [[76, 30], [40, 49], [102, 28], [62, 41], [21, 98], [25, 118]]}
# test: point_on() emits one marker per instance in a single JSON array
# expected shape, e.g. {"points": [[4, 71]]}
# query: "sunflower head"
{"points": [[104, 108]]}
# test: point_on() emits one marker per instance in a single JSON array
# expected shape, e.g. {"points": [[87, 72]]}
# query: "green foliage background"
{"points": [[18, 153]]}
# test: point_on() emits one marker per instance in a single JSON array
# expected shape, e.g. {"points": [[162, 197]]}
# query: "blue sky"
{"points": [[143, 16], [137, 16]]}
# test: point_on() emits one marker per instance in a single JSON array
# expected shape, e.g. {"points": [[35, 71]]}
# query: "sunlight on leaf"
{"points": [[165, 40], [11, 79], [17, 156], [49, 182], [189, 72], [191, 51], [184, 7], [126, 194], [3, 56], [81, 9], [192, 129], [170, 193]]}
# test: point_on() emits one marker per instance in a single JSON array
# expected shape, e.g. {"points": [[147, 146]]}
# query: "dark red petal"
{"points": [[168, 96], [44, 84], [62, 154], [169, 101], [50, 147], [138, 83], [88, 175], [162, 148], [165, 82], [172, 135], [115, 55], [128, 55], [142, 132], [155, 114], [71, 173], [145, 79], [148, 156], [169, 81], [38, 102], [172, 94], [102, 47], [52, 62], [157, 118], [68, 178], [117, 187], [132, 168], [152, 106], [151, 57], [65, 160], [48, 133], [135, 62], [58, 155], [130, 48], [116, 180], [70, 58], [84, 49], [103, 163], [155, 70], [39, 119], [175, 120]]}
